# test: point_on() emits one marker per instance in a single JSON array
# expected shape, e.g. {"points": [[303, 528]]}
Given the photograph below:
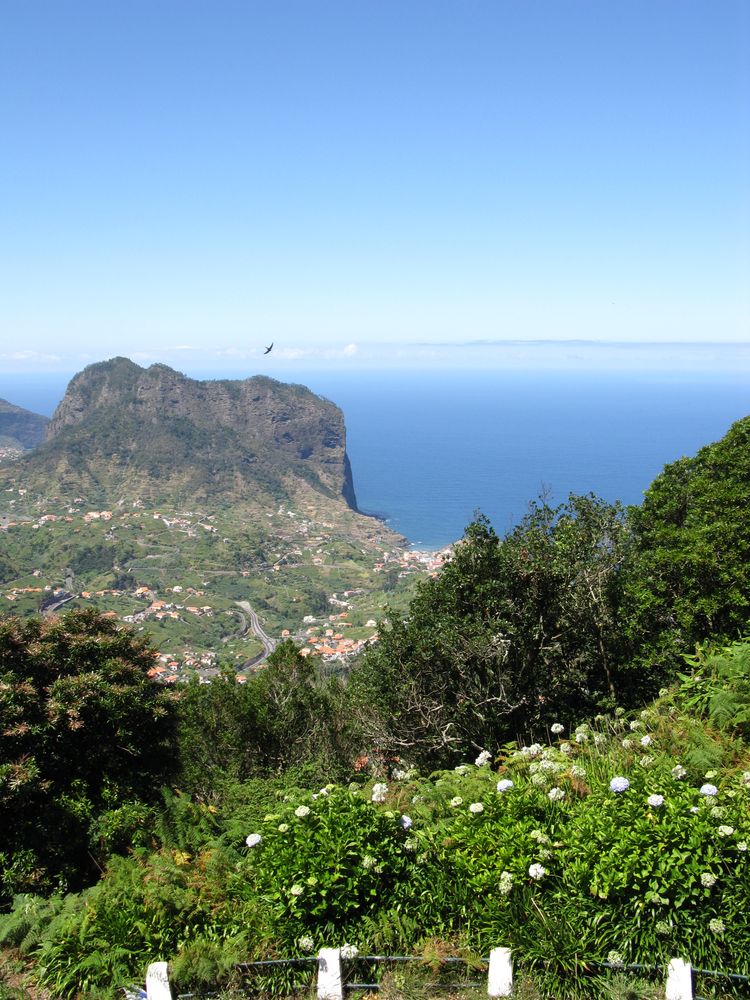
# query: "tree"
{"points": [[512, 632], [82, 730], [688, 576]]}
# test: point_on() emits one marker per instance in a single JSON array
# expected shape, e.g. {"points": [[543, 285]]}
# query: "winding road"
{"points": [[269, 644]]}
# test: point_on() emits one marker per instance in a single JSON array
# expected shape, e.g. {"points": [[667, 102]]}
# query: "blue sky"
{"points": [[372, 182]]}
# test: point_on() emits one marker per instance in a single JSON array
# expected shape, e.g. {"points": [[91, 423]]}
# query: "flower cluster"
{"points": [[379, 791], [505, 884], [504, 785], [301, 811], [476, 808], [484, 758], [253, 840], [619, 784]]}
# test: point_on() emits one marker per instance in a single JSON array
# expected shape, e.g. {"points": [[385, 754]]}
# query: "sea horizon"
{"points": [[431, 449]]}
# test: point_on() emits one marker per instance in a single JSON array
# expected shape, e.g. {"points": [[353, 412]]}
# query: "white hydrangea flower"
{"points": [[635, 725], [505, 883], [708, 881], [717, 812], [253, 839], [742, 846], [368, 861], [532, 751], [557, 728], [283, 828], [306, 943], [646, 741], [646, 760], [399, 775], [615, 959], [550, 765], [484, 758], [725, 831], [598, 739], [556, 794], [577, 771], [406, 821], [296, 890], [582, 737], [678, 772], [537, 871], [716, 926], [504, 785], [476, 808], [379, 791], [457, 801], [566, 749], [655, 801], [410, 844], [619, 784], [627, 744], [461, 769], [745, 779], [538, 779], [301, 811], [349, 951], [709, 790]]}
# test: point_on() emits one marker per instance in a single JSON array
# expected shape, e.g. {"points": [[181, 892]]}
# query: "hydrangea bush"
{"points": [[565, 851]]}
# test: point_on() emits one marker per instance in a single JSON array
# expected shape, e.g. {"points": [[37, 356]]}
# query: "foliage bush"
{"points": [[533, 847]]}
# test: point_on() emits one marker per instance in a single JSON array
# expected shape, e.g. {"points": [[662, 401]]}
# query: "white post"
{"points": [[157, 982], [330, 986], [679, 980], [500, 975]]}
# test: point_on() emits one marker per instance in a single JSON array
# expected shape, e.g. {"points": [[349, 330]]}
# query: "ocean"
{"points": [[430, 450]]}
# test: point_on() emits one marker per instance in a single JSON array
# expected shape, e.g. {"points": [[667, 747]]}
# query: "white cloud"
{"points": [[350, 350]]}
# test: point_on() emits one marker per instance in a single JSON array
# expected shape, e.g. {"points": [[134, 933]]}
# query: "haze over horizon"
{"points": [[428, 185]]}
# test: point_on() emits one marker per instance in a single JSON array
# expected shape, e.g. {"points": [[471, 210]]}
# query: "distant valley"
{"points": [[181, 506]]}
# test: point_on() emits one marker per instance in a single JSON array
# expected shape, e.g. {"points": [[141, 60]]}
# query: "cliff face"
{"points": [[21, 428], [122, 429]]}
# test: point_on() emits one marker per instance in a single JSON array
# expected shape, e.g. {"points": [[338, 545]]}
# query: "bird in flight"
{"points": [[268, 349]]}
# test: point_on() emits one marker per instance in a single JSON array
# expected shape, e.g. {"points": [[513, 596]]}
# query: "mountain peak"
{"points": [[122, 431]]}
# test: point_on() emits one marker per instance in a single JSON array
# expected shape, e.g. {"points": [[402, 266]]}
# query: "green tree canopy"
{"points": [[512, 632], [82, 729], [688, 576]]}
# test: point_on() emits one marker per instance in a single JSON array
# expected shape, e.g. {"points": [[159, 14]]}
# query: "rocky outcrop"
{"points": [[123, 429]]}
